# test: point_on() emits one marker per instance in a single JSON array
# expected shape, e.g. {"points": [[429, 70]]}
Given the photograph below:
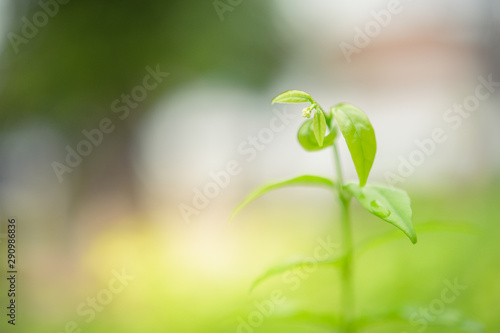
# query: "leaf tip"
{"points": [[413, 238]]}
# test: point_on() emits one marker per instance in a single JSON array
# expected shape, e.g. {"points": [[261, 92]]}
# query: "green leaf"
{"points": [[427, 227], [319, 126], [298, 181], [292, 96], [391, 205], [308, 140], [282, 268], [295, 313], [359, 136]]}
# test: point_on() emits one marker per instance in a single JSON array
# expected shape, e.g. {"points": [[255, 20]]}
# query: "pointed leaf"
{"points": [[292, 96], [427, 227], [295, 313], [391, 205], [298, 181], [282, 268], [308, 140], [359, 136], [319, 126]]}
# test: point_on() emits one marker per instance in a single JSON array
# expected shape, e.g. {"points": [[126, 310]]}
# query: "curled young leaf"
{"points": [[319, 126], [359, 136], [292, 96], [306, 180], [307, 139], [390, 204]]}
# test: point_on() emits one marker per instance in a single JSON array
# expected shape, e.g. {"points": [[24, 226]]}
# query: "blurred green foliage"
{"points": [[92, 51]]}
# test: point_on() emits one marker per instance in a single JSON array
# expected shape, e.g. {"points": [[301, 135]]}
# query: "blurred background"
{"points": [[120, 122]]}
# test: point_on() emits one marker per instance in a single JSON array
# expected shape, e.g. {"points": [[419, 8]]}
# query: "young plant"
{"points": [[389, 204]]}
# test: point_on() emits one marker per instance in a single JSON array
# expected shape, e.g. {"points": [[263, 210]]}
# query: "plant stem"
{"points": [[347, 299]]}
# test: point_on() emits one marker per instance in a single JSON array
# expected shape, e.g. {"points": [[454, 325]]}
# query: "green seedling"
{"points": [[389, 204]]}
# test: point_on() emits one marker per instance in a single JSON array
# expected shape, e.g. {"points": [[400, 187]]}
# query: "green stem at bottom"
{"points": [[347, 296]]}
